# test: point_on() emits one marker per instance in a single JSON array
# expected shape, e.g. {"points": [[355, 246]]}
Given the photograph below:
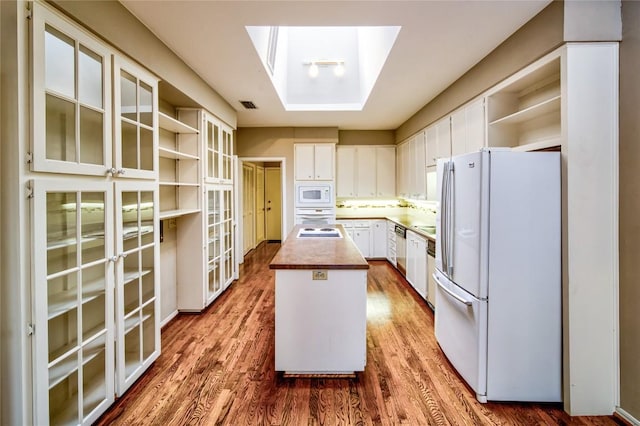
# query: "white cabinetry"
{"points": [[411, 167], [346, 183], [378, 239], [218, 139], [95, 233], [431, 282], [468, 128], [525, 113], [417, 263], [365, 171], [438, 142], [360, 232], [314, 161], [391, 242]]}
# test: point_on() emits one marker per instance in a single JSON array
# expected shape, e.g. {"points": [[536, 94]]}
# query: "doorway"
{"points": [[261, 197], [273, 202]]}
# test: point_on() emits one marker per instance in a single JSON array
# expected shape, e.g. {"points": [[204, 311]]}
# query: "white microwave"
{"points": [[314, 194]]}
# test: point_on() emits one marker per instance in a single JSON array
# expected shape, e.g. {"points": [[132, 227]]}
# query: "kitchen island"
{"points": [[320, 304]]}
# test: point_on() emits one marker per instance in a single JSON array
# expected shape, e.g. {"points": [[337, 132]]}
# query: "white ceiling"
{"points": [[439, 41]]}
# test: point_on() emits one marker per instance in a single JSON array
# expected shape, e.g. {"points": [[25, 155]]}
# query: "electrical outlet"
{"points": [[320, 275]]}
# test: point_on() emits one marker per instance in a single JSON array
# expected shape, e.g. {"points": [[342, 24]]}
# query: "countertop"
{"points": [[407, 221], [318, 253]]}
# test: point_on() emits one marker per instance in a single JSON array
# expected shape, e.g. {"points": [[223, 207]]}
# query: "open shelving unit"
{"points": [[179, 154], [524, 113]]}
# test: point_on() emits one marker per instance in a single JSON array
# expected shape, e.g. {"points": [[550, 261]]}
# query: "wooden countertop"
{"points": [[318, 253]]}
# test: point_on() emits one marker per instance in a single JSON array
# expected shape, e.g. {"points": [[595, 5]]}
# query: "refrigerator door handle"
{"points": [[450, 293], [443, 215], [451, 218]]}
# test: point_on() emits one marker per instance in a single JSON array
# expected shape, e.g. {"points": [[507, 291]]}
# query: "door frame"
{"points": [[238, 196]]}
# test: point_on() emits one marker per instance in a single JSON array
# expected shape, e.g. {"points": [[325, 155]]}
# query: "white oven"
{"points": [[315, 216], [314, 194]]}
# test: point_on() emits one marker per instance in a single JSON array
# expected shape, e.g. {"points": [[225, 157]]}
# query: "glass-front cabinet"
{"points": [[71, 98], [137, 283], [219, 151], [220, 236], [135, 121], [73, 275]]}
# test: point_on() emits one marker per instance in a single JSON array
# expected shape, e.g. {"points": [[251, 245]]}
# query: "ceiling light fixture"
{"points": [[314, 66]]}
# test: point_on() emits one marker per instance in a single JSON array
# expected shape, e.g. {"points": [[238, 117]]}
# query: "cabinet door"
{"points": [[362, 238], [227, 154], [136, 121], [443, 130], [71, 98], [421, 267], [386, 171], [73, 274], [214, 146], [411, 258], [475, 118], [137, 280], [304, 159], [419, 167], [228, 237], [402, 169], [214, 243], [458, 132], [366, 171], [379, 239], [324, 159], [345, 171], [431, 282], [431, 135]]}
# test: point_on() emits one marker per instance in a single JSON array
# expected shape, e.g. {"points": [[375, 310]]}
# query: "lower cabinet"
{"points": [[95, 259], [431, 282], [379, 239], [391, 243], [417, 263], [362, 238], [370, 236]]}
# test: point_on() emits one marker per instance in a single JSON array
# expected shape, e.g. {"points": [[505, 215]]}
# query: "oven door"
{"points": [[313, 220]]}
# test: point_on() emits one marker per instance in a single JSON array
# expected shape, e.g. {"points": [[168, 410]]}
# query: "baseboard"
{"points": [[168, 319], [623, 415]]}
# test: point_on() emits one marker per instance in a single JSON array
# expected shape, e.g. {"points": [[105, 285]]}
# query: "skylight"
{"points": [[323, 68]]}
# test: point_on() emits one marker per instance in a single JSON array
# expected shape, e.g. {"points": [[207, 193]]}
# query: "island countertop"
{"points": [[318, 253]]}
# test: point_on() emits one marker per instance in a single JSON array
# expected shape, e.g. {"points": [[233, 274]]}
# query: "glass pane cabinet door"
{"points": [[136, 121], [214, 244], [214, 148], [137, 315], [73, 271], [71, 98], [227, 154], [228, 238]]}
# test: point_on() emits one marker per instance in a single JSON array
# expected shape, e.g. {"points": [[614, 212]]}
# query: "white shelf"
{"points": [[168, 214], [526, 114], [65, 301], [175, 155], [134, 274], [171, 124], [537, 145]]}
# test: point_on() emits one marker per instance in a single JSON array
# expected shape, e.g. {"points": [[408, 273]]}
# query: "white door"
{"points": [[366, 171], [345, 171], [273, 198], [259, 205], [467, 196], [248, 188], [386, 171], [304, 157], [461, 332], [324, 161]]}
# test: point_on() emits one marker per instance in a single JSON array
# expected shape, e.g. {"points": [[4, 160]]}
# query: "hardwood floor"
{"points": [[217, 368]]}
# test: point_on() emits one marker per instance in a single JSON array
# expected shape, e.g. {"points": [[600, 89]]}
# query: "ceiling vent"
{"points": [[248, 105]]}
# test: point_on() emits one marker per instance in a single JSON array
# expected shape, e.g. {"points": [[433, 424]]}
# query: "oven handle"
{"points": [[450, 293]]}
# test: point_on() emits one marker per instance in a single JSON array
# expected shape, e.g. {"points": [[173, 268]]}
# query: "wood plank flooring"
{"points": [[216, 368]]}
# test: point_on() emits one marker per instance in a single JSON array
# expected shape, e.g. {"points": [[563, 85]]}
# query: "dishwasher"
{"points": [[401, 249]]}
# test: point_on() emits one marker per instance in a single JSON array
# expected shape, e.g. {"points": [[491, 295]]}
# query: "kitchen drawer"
{"points": [[361, 223]]}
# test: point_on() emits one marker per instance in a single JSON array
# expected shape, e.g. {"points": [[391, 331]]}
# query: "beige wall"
{"points": [[113, 22], [366, 137], [630, 209], [271, 142], [539, 36]]}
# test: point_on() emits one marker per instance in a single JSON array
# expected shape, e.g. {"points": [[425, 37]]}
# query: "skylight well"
{"points": [[323, 68]]}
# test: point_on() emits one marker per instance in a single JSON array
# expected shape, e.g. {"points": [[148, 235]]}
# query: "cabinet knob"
{"points": [[121, 171], [112, 171], [122, 255]]}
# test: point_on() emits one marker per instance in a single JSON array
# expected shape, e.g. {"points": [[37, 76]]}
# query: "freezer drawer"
{"points": [[461, 332]]}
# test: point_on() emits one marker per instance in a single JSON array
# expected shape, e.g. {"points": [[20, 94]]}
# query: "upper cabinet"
{"points": [[135, 100], [467, 128], [72, 105], [524, 112], [71, 98], [314, 161], [365, 171], [411, 169]]}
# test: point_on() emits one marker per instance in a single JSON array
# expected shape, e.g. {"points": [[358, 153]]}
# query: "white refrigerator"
{"points": [[498, 272]]}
